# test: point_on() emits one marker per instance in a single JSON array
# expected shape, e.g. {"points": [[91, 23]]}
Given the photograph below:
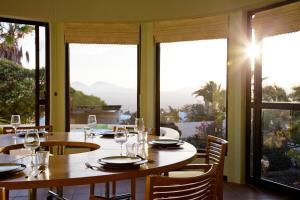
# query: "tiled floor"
{"points": [[231, 192]]}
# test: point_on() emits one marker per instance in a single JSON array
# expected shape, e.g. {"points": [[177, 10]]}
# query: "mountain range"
{"points": [[116, 95]]}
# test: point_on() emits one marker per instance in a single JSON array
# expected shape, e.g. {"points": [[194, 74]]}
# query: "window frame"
{"points": [[67, 83], [46, 101], [258, 105], [157, 91]]}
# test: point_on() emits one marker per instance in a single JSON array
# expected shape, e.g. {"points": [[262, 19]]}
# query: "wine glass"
{"points": [[32, 142], [92, 122], [139, 126], [15, 122], [121, 136]]}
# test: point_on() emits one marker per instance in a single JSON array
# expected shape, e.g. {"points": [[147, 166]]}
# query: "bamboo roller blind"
{"points": [[102, 33], [213, 27], [276, 21]]}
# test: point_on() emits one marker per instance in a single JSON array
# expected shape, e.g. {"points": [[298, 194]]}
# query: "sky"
{"points": [[183, 64], [192, 64], [178, 69], [116, 64], [28, 44], [281, 63]]}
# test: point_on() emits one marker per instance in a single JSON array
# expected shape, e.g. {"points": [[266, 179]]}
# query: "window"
{"points": [[193, 88], [274, 148], [103, 82], [24, 71]]}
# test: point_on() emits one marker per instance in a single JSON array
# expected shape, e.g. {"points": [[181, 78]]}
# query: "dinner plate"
{"points": [[166, 142], [7, 169], [120, 160]]}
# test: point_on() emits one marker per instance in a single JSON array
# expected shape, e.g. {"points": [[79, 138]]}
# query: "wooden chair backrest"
{"points": [[8, 130], [215, 154], [216, 150], [199, 187]]}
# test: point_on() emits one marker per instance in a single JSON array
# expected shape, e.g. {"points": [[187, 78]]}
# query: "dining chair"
{"points": [[8, 129], [214, 154], [169, 133], [196, 188]]}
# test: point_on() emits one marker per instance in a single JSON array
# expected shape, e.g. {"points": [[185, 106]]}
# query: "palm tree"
{"points": [[213, 95], [10, 33]]}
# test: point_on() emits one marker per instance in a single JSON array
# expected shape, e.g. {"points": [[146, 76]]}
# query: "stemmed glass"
{"points": [[32, 142], [121, 136], [15, 122], [139, 126], [92, 122]]}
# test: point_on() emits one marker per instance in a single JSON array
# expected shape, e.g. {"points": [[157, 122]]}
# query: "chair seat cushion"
{"points": [[185, 174]]}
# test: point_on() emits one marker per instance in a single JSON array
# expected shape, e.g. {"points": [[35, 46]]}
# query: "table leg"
{"points": [[133, 188], [107, 190], [114, 187], [4, 194], [32, 194], [92, 189]]}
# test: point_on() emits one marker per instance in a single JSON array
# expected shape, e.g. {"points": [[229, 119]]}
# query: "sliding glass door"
{"points": [[274, 111]]}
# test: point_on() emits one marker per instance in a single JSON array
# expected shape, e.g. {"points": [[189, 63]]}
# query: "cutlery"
{"points": [[88, 165]]}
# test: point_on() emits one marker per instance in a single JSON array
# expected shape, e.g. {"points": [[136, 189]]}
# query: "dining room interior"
{"points": [[124, 100]]}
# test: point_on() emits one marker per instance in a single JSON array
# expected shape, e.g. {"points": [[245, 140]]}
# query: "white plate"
{"points": [[9, 168], [166, 142], [120, 160]]}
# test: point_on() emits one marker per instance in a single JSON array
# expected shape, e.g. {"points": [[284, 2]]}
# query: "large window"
{"points": [[24, 71], [193, 88], [103, 82], [274, 100]]}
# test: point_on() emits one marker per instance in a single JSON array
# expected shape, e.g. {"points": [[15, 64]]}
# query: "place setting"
{"points": [[28, 158], [135, 154], [166, 143]]}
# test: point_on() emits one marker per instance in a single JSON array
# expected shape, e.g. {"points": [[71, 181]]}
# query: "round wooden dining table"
{"points": [[70, 169]]}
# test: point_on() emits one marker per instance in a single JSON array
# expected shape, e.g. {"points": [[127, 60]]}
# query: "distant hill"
{"points": [[113, 94]]}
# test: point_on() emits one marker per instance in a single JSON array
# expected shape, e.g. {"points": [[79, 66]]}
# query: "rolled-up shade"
{"points": [[283, 19], [102, 33], [213, 27]]}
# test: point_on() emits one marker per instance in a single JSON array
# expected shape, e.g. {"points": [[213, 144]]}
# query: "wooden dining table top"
{"points": [[70, 169]]}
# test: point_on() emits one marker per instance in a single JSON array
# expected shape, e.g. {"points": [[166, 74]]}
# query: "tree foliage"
{"points": [[274, 93], [10, 34], [214, 97], [78, 98], [170, 115], [295, 95], [17, 89], [195, 112]]}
